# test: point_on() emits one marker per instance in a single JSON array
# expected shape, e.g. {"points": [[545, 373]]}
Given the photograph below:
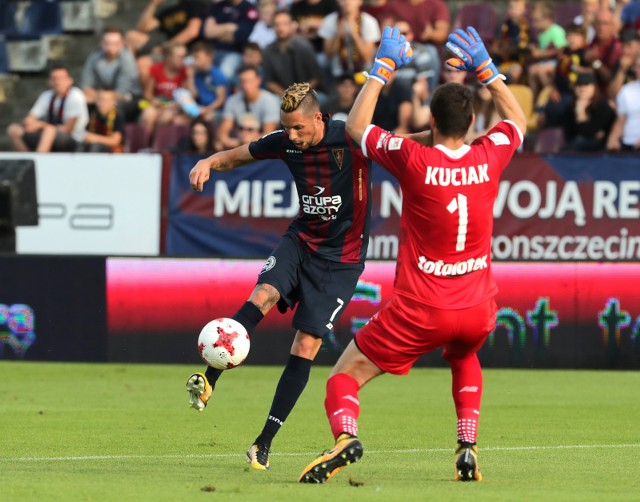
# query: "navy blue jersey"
{"points": [[334, 191]]}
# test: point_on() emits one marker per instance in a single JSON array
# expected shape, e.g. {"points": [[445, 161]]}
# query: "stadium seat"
{"points": [[564, 13], [167, 136], [482, 16], [32, 20], [136, 137], [78, 16], [549, 140], [524, 96]]}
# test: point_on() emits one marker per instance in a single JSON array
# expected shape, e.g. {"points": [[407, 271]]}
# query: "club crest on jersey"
{"points": [[339, 156], [269, 264]]}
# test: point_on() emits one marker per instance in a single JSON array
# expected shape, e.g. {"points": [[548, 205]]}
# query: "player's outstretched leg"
{"points": [[348, 450], [200, 386], [467, 462], [199, 391]]}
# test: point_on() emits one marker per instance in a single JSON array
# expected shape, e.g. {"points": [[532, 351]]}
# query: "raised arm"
{"points": [[394, 51], [472, 55], [221, 161]]}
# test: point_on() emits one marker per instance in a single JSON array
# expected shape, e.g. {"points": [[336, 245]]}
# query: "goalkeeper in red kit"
{"points": [[444, 289]]}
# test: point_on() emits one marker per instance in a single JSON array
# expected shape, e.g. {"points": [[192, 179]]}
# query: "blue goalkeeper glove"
{"points": [[471, 55], [394, 51]]}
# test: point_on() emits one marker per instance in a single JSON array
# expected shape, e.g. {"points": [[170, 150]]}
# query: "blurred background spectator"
{"points": [[394, 110], [177, 23], [290, 58], [106, 127], [158, 106], [512, 45], [625, 134], [551, 39], [228, 25], [425, 63], [588, 118], [623, 71], [248, 99], [112, 67], [350, 37], [209, 85], [485, 112], [57, 120], [309, 15], [342, 99], [605, 49], [263, 32], [199, 138], [430, 19]]}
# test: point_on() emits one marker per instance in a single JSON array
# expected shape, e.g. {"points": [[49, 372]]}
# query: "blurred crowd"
{"points": [[199, 76]]}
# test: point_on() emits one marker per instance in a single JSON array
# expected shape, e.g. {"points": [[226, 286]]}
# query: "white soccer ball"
{"points": [[224, 343]]}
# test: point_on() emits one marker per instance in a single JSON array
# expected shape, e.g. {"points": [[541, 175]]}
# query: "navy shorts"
{"points": [[321, 288]]}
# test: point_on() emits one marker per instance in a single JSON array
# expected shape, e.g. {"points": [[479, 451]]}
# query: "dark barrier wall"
{"points": [[552, 315], [52, 308]]}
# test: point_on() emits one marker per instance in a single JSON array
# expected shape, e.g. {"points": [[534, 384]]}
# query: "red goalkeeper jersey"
{"points": [[444, 257]]}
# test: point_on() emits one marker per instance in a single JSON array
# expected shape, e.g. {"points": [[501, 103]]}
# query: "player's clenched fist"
{"points": [[200, 174]]}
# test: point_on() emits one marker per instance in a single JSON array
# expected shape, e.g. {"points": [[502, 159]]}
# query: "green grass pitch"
{"points": [[102, 432]]}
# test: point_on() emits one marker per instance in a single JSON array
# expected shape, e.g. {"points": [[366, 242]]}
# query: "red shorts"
{"points": [[405, 329]]}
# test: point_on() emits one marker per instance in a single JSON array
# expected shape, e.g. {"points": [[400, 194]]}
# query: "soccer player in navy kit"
{"points": [[319, 259], [444, 290]]}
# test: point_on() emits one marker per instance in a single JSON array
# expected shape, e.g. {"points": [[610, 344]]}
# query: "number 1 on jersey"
{"points": [[459, 203]]}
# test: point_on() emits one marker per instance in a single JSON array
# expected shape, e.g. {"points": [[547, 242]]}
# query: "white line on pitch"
{"points": [[368, 452]]}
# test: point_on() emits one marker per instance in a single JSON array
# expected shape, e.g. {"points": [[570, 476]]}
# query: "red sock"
{"points": [[467, 392], [342, 404]]}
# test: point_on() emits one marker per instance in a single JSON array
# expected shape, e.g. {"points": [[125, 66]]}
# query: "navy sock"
{"points": [[292, 382], [249, 316]]}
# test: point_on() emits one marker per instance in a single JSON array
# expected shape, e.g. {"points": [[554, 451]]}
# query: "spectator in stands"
{"points": [[421, 104], [249, 129], [425, 62], [228, 24], [623, 72], [625, 134], [551, 39], [630, 16], [179, 23], [106, 128], [430, 19], [309, 15], [159, 106], [394, 109], [209, 85], [251, 56], [421, 96], [605, 49], [589, 117], [553, 100], [198, 140], [484, 110], [290, 58], [57, 120], [511, 48], [112, 67], [587, 17], [249, 99], [343, 97], [350, 38], [377, 8], [263, 32]]}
